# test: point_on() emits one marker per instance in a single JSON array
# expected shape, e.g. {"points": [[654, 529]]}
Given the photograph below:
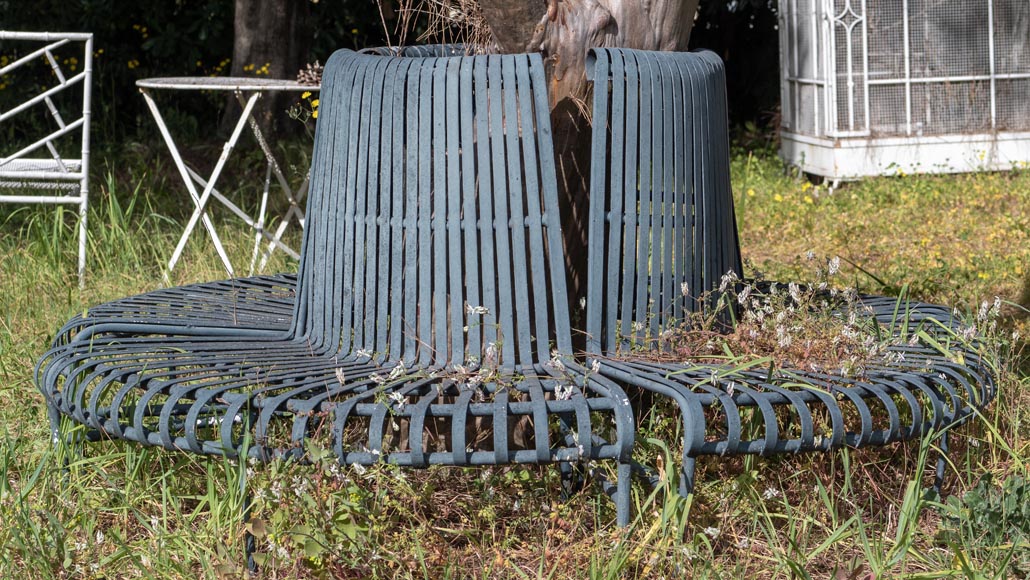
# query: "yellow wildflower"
{"points": [[750, 192], [305, 94], [778, 197]]}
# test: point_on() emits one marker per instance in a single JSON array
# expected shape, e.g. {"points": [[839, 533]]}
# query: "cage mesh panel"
{"points": [[1013, 105], [954, 107], [886, 43], [888, 116], [946, 40], [1012, 37]]}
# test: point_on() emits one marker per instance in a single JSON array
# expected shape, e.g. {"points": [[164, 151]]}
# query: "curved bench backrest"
{"points": [[419, 50], [432, 226], [662, 229]]}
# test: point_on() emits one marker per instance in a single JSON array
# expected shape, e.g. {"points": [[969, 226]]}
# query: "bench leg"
{"points": [[687, 477], [942, 462], [622, 495], [572, 479], [55, 424], [249, 542]]}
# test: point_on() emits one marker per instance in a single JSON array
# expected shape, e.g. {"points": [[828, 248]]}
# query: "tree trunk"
{"points": [[563, 31], [271, 40]]}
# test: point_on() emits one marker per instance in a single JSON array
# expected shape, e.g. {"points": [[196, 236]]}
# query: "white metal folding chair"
{"points": [[38, 168]]}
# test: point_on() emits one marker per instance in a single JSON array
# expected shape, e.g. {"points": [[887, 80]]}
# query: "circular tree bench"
{"points": [[429, 313]]}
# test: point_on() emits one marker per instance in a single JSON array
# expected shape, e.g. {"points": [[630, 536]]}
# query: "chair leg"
{"points": [[82, 241], [622, 495]]}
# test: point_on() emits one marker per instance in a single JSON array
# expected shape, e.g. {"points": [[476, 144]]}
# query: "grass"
{"points": [[122, 511]]}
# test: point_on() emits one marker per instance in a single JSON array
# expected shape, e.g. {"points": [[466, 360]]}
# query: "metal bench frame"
{"points": [[71, 176], [420, 268], [661, 221], [428, 316]]}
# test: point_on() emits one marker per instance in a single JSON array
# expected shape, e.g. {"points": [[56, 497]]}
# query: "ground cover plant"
{"points": [[123, 511]]}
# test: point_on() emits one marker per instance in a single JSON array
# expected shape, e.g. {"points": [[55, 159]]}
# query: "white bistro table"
{"points": [[247, 91]]}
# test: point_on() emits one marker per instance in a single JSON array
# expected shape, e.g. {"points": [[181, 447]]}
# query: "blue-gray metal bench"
{"points": [[662, 233], [427, 318], [393, 269]]}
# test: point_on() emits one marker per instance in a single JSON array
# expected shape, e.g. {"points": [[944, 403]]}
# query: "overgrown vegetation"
{"points": [[124, 511]]}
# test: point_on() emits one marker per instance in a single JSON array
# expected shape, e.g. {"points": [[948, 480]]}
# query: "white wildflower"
{"points": [[595, 366], [563, 392], [490, 356], [556, 362], [364, 352], [711, 532], [981, 314], [377, 378], [783, 337], [743, 544], [479, 310], [809, 255], [744, 294], [834, 266], [727, 280], [340, 376], [795, 291], [684, 289], [398, 400], [397, 370], [770, 493]]}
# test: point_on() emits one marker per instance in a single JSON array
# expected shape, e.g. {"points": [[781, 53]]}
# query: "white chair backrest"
{"points": [[42, 164]]}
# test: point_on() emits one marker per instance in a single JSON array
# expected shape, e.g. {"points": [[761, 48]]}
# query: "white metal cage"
{"points": [[52, 168], [871, 87]]}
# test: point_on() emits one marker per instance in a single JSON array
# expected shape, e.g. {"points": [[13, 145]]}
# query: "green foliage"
{"points": [[135, 40], [991, 518]]}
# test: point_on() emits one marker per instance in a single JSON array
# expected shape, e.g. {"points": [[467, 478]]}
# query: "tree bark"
{"points": [[271, 39], [563, 31]]}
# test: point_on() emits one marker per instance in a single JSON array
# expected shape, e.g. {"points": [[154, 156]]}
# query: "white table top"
{"points": [[224, 84]]}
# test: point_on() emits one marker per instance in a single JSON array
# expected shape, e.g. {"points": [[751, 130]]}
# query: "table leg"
{"points": [[260, 225], [294, 210], [206, 195], [243, 215], [197, 199]]}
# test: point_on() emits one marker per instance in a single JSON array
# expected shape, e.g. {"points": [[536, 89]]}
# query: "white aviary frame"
{"points": [[872, 87]]}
